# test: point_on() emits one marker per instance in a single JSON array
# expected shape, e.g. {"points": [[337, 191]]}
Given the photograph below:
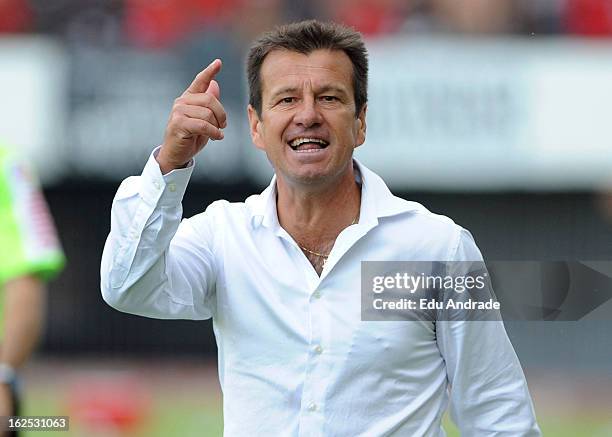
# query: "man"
{"points": [[280, 273], [30, 254]]}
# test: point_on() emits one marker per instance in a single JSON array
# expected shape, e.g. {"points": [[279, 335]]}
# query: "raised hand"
{"points": [[196, 117]]}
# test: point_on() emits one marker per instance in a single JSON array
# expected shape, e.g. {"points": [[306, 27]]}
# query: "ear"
{"points": [[360, 124], [255, 126]]}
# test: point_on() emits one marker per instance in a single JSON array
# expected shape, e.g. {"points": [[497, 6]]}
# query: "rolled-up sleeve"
{"points": [[154, 264], [488, 391]]}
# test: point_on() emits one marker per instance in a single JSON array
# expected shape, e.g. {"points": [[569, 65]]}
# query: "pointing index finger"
{"points": [[202, 80]]}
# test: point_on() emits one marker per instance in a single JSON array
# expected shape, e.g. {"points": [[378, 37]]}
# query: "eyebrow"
{"points": [[324, 89]]}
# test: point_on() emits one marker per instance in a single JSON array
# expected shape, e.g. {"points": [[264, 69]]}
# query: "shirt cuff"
{"points": [[164, 190]]}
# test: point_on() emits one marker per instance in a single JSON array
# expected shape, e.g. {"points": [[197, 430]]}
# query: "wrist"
{"points": [[8, 375], [166, 164]]}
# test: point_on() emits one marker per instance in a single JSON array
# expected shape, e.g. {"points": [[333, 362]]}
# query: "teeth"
{"points": [[298, 141]]}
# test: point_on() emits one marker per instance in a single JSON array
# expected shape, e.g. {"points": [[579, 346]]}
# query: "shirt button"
{"points": [[318, 349], [312, 406], [172, 187], [317, 294], [157, 185]]}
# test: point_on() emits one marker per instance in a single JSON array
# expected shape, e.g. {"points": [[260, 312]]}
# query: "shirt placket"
{"points": [[312, 410], [312, 406], [311, 416]]}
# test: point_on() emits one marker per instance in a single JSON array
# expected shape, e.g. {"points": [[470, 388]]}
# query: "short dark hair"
{"points": [[306, 37]]}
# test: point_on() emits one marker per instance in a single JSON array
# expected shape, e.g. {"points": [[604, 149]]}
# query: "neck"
{"points": [[314, 216]]}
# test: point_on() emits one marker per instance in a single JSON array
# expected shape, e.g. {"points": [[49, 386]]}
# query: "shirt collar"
{"points": [[377, 201]]}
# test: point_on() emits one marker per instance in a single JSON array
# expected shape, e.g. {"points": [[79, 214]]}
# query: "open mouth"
{"points": [[303, 144]]}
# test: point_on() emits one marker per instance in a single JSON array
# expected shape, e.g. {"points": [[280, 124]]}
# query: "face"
{"points": [[307, 125]]}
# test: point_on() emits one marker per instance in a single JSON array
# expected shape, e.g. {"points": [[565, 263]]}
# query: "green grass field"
{"points": [[186, 402], [202, 418]]}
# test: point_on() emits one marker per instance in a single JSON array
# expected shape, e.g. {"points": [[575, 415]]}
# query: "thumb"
{"points": [[213, 88]]}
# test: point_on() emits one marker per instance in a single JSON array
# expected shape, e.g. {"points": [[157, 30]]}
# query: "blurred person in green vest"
{"points": [[30, 254]]}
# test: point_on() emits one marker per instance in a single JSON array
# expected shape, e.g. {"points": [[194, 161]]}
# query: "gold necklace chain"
{"points": [[323, 255]]}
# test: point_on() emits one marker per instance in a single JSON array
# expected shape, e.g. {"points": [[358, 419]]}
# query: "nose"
{"points": [[307, 114]]}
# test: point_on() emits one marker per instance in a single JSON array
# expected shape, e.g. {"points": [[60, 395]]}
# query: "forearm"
{"points": [[133, 271], [489, 394], [23, 319], [151, 265]]}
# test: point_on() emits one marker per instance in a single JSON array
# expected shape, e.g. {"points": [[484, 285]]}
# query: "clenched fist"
{"points": [[196, 117]]}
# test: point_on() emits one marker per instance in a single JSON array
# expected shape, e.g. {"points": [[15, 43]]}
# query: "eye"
{"points": [[287, 100], [329, 98]]}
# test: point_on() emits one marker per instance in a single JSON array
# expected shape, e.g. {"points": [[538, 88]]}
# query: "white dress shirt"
{"points": [[295, 359]]}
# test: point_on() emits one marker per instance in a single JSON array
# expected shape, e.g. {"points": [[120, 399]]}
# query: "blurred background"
{"points": [[493, 112]]}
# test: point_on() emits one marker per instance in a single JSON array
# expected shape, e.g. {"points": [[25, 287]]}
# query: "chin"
{"points": [[312, 177]]}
